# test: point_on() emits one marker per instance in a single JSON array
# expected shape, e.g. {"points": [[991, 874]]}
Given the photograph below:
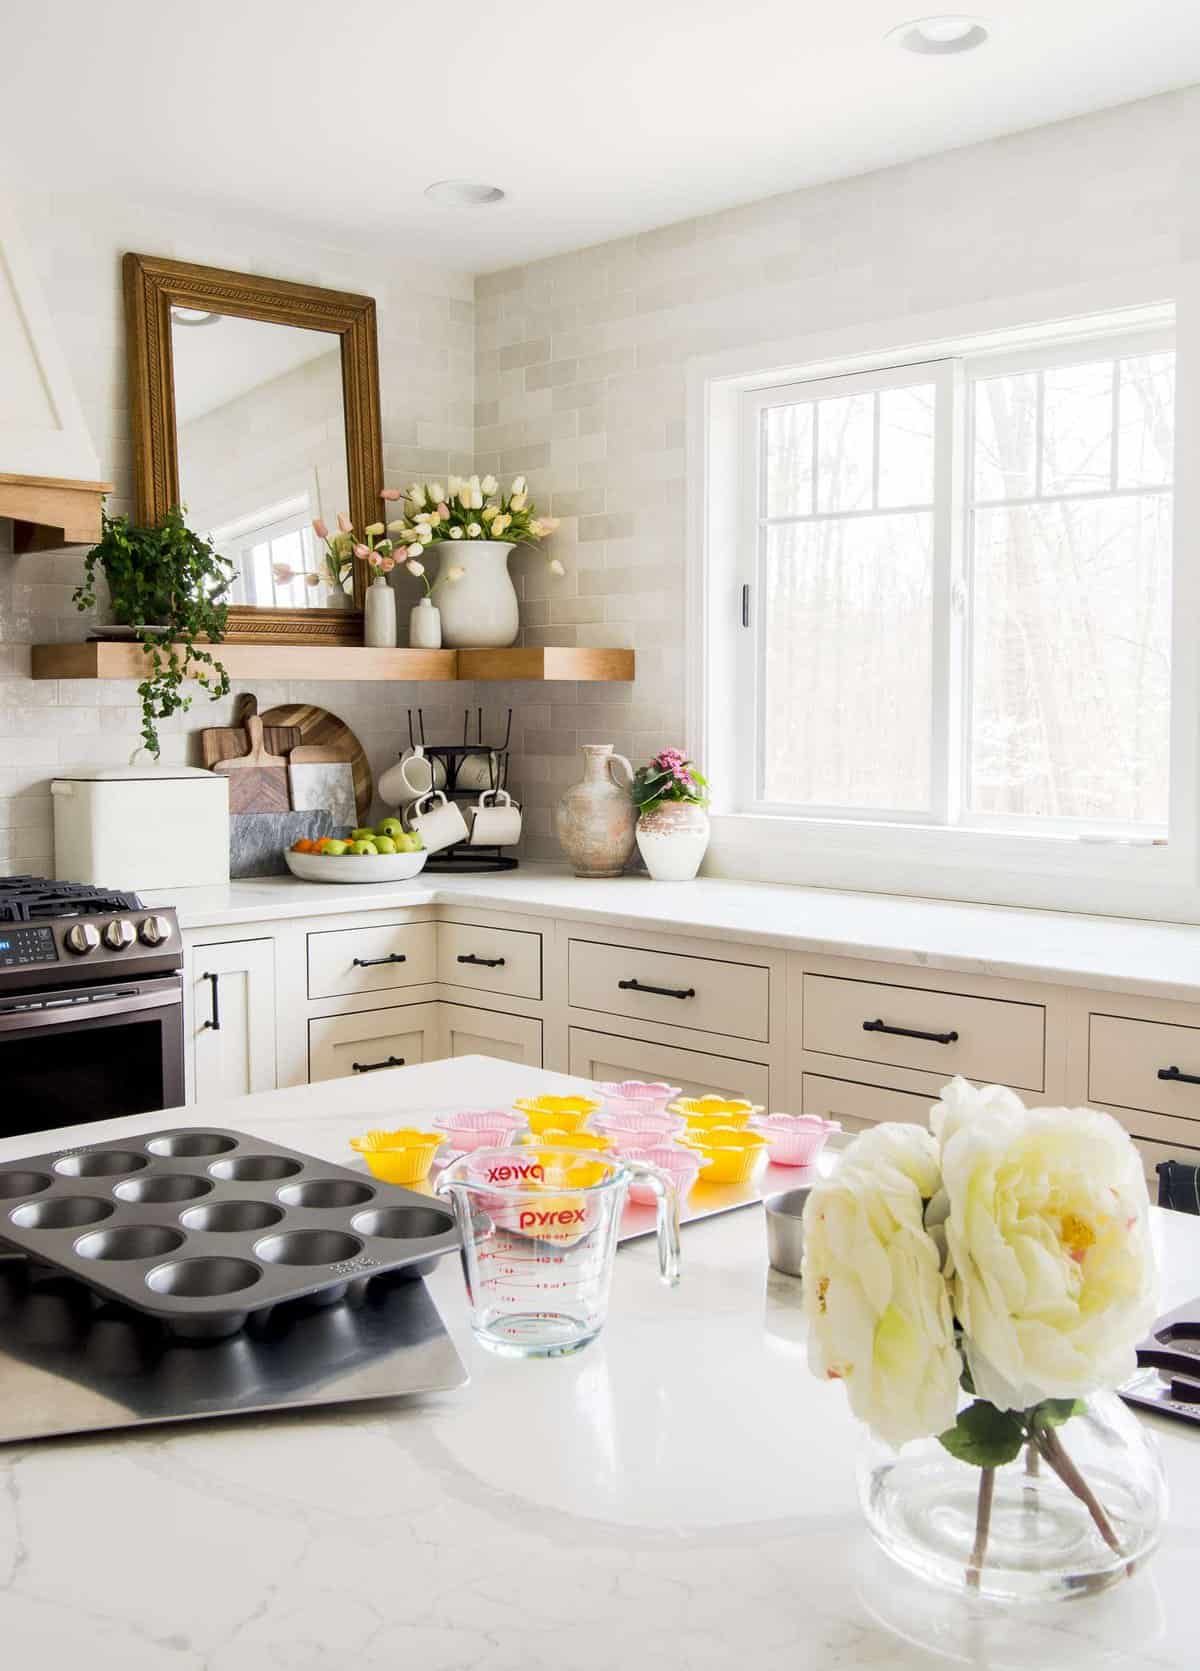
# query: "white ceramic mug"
{"points": [[437, 821], [495, 820], [478, 771], [413, 777]]}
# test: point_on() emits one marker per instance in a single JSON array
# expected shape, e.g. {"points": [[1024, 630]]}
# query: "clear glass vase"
{"points": [[1037, 1539]]}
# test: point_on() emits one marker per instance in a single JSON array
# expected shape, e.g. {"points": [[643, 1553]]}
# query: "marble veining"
{"points": [[679, 1494]]}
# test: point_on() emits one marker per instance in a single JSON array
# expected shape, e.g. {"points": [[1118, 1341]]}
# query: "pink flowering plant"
{"points": [[670, 776]]}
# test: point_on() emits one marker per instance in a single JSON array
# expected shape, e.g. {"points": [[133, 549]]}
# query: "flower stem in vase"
{"points": [[983, 1521], [1052, 1448]]}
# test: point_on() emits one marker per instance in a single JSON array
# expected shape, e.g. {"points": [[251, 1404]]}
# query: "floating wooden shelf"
{"points": [[94, 660]]}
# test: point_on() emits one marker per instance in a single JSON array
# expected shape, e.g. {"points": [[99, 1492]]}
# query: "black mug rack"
{"points": [[463, 858]]}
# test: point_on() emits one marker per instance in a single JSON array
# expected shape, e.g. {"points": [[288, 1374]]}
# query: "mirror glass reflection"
{"points": [[261, 433]]}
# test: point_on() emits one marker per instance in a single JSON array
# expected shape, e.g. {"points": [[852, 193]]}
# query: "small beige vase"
{"points": [[596, 818]]}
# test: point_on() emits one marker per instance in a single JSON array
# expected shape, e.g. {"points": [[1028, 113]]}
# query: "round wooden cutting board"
{"points": [[318, 726]]}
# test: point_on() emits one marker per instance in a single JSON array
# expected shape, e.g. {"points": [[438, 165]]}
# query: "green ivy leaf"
{"points": [[1053, 1412], [984, 1436]]}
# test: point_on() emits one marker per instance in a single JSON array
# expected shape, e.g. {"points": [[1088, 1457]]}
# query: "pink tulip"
{"points": [[443, 511], [362, 551], [373, 558], [391, 493], [343, 522], [319, 529], [387, 564]]}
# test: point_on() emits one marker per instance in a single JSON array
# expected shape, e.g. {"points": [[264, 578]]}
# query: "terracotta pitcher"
{"points": [[596, 818]]}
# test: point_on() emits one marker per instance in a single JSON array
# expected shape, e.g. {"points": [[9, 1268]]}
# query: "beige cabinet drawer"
{"points": [[502, 960], [473, 1032], [606, 1057], [992, 1039], [342, 1045], [697, 992], [345, 961], [859, 1106], [1126, 1059]]}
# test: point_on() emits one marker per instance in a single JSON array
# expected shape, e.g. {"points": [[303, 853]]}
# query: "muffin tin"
{"points": [[204, 1227]]}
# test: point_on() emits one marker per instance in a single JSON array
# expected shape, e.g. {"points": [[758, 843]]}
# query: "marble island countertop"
{"points": [[680, 1494], [1109, 953]]}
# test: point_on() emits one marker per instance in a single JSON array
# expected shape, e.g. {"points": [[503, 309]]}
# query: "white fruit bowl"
{"points": [[355, 867]]}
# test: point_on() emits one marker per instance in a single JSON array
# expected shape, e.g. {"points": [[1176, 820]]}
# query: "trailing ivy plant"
{"points": [[168, 583]]}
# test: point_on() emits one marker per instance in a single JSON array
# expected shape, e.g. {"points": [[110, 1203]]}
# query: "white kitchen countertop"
{"points": [[1110, 953], [680, 1494]]}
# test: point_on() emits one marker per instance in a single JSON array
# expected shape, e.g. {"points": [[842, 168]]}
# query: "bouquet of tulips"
{"points": [[467, 508], [374, 547]]}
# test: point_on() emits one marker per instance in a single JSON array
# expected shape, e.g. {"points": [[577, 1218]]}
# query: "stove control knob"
{"points": [[118, 935], [154, 930], [81, 938]]}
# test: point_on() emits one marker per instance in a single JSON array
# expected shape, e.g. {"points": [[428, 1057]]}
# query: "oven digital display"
{"points": [[20, 946]]}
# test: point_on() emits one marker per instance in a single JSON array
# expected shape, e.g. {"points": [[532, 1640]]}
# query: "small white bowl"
{"points": [[355, 867]]}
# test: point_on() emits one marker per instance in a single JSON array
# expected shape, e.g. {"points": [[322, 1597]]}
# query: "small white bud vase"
{"points": [[425, 626], [379, 616], [479, 610], [673, 840]]}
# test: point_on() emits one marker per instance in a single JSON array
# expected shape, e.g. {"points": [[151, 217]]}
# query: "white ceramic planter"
{"points": [[424, 626], [480, 610], [673, 840], [379, 616]]}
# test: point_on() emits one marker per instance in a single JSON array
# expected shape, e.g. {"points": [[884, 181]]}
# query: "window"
{"points": [[277, 563], [957, 590]]}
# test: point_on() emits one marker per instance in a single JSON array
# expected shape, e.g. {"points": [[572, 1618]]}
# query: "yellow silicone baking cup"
{"points": [[398, 1157], [551, 1113]]}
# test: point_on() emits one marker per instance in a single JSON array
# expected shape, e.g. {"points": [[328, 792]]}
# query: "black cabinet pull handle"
{"points": [[1180, 1077], [659, 991], [369, 1067], [483, 962], [909, 1033], [370, 962], [214, 1021]]}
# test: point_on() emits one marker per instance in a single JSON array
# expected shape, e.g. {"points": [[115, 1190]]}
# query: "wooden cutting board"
{"points": [[230, 742], [321, 729], [258, 781]]}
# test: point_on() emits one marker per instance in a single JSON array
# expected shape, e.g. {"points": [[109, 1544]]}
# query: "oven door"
{"points": [[92, 1053]]}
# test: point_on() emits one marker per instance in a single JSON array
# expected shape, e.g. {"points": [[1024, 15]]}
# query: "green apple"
{"points": [[335, 849], [366, 848], [412, 842], [391, 827], [362, 835], [384, 844]]}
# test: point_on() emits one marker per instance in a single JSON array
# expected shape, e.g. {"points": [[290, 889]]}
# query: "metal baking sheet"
{"points": [[71, 1365], [707, 1200], [202, 1227]]}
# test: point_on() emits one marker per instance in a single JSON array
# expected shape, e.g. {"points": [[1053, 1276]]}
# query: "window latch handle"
{"points": [[746, 606]]}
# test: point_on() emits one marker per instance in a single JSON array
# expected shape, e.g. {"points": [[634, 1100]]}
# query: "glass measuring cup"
{"points": [[539, 1228]]}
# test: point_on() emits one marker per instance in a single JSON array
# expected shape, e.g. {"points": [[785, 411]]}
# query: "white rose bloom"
{"points": [[1051, 1264], [877, 1303], [489, 484]]}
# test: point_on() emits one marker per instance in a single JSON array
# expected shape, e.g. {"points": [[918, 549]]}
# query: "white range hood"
{"points": [[48, 466]]}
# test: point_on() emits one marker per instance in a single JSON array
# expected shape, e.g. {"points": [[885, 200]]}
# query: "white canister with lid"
{"points": [[139, 827]]}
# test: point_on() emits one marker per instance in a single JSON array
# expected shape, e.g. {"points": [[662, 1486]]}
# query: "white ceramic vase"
{"points": [[479, 611], [379, 616], [672, 840], [425, 626], [595, 818]]}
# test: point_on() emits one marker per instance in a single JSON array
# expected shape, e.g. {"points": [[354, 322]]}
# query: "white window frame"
{"points": [[1119, 875]]}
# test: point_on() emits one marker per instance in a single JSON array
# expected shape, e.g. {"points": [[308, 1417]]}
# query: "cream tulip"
{"points": [[489, 484]]}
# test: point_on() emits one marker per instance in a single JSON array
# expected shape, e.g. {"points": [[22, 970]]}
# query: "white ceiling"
{"points": [[599, 120]]}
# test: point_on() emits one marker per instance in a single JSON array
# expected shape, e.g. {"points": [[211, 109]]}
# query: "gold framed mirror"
{"points": [[255, 403]]}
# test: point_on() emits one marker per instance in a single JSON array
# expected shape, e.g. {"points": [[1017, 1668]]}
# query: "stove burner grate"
{"points": [[25, 899]]}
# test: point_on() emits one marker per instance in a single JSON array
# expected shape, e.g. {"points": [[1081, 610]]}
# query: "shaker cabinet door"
{"points": [[371, 1041], [479, 1032], [231, 1018]]}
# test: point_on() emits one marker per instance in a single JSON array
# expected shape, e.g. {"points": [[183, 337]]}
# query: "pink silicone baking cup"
{"points": [[682, 1166], [794, 1139]]}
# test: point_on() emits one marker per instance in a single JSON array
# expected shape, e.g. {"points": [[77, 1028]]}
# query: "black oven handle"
{"points": [[149, 998]]}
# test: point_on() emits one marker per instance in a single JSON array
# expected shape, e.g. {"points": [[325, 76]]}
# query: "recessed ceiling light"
{"points": [[936, 36], [463, 194], [193, 316]]}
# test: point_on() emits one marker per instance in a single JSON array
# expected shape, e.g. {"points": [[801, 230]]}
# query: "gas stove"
{"points": [[61, 933]]}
